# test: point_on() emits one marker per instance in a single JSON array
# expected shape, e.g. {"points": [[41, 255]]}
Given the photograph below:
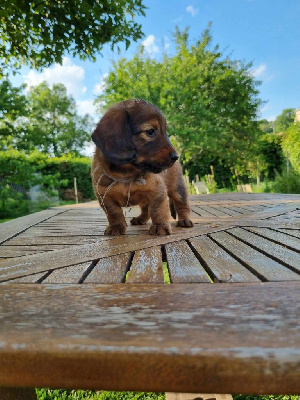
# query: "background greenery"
{"points": [[211, 102], [46, 394]]}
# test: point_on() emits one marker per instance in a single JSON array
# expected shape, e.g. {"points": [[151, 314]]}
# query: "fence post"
{"points": [[75, 189]]}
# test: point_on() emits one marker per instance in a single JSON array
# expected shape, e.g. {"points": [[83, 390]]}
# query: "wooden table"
{"points": [[81, 310]]}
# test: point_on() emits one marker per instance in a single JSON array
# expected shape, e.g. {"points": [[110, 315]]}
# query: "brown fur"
{"points": [[132, 144]]}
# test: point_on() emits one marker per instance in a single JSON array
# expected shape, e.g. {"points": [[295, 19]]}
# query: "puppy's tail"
{"points": [[172, 208]]}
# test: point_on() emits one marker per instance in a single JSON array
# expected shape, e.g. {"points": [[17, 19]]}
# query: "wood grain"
{"points": [[110, 270], [71, 274], [31, 264], [261, 265], [278, 237], [280, 253], [175, 338], [146, 267], [183, 265], [222, 265], [12, 228]]}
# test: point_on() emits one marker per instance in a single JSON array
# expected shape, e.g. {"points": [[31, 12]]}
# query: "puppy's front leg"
{"points": [[159, 212], [115, 216]]}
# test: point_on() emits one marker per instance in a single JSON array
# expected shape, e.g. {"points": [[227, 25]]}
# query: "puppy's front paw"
{"points": [[185, 223], [137, 221], [160, 229], [115, 230]]}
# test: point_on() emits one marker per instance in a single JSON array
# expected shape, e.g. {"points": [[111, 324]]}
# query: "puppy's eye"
{"points": [[151, 132]]}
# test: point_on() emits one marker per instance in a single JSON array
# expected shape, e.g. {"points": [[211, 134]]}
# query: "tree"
{"points": [[14, 170], [271, 158], [54, 125], [291, 144], [266, 126], [284, 120], [211, 102], [39, 32], [13, 109]]}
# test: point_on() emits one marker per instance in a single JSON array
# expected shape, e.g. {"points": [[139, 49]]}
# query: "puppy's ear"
{"points": [[113, 136]]}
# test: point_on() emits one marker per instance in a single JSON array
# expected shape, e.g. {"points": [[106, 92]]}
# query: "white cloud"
{"points": [[86, 107], [71, 75], [149, 45], [193, 11], [99, 88], [259, 71], [166, 43]]}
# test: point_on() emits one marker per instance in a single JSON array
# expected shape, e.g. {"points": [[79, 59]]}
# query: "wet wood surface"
{"points": [[179, 338], [82, 310]]}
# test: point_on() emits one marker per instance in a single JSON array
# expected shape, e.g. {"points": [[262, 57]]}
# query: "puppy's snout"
{"points": [[174, 156]]}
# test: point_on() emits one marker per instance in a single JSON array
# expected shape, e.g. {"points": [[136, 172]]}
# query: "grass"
{"points": [[19, 208], [5, 220], [47, 394]]}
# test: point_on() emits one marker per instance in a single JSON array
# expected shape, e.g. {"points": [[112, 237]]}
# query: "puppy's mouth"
{"points": [[148, 166]]}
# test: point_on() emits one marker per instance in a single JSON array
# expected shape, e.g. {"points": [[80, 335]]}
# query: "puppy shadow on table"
{"points": [[136, 164]]}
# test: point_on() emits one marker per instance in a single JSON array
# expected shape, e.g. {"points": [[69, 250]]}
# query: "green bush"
{"points": [[286, 183], [70, 167], [47, 394], [51, 173]]}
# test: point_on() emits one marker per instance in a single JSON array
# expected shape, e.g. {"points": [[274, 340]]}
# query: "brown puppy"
{"points": [[134, 163]]}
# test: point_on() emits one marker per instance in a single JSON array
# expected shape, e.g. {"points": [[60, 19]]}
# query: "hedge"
{"points": [[58, 172]]}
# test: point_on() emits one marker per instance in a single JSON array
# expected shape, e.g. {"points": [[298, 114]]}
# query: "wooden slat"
{"points": [[278, 237], [214, 211], [110, 270], [5, 252], [223, 266], [30, 240], [88, 252], [175, 338], [292, 232], [12, 228], [67, 275], [289, 257], [27, 279], [238, 211], [257, 262], [230, 211], [146, 267], [29, 249], [203, 211], [183, 265]]}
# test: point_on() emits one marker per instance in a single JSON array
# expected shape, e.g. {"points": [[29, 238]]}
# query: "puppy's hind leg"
{"points": [[143, 218]]}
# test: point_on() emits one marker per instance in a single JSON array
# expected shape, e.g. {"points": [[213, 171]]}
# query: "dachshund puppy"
{"points": [[135, 164]]}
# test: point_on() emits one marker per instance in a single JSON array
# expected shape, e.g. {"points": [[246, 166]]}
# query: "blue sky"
{"points": [[266, 32]]}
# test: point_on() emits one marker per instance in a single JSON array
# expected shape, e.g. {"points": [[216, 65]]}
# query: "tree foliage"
{"points": [[284, 120], [52, 124], [39, 32], [13, 108], [271, 158], [211, 102], [291, 144]]}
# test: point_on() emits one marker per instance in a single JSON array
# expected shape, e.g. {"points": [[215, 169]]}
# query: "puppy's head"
{"points": [[134, 132]]}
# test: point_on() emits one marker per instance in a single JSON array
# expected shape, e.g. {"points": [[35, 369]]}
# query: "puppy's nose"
{"points": [[174, 156]]}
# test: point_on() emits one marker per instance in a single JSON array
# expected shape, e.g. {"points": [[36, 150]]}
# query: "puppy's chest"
{"points": [[129, 195]]}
